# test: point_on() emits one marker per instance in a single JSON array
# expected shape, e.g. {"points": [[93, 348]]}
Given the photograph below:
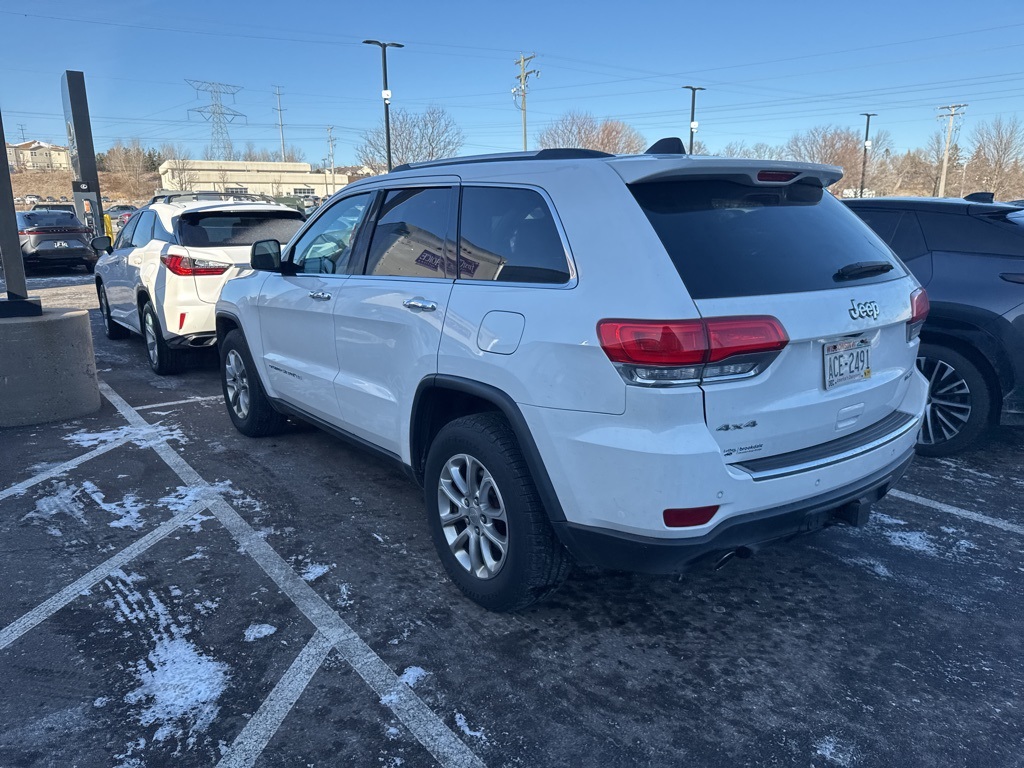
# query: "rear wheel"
{"points": [[248, 406], [112, 330], [485, 516], [959, 401], [162, 359]]}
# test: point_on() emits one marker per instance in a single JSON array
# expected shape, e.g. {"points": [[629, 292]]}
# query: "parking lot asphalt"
{"points": [[177, 593]]}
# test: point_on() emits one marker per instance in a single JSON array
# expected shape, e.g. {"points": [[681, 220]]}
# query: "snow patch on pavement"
{"points": [[834, 752], [143, 437], [64, 500], [255, 631], [313, 571], [460, 720], [917, 541], [126, 511]]}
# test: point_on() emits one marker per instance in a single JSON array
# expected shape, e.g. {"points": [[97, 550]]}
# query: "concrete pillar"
{"points": [[47, 368]]}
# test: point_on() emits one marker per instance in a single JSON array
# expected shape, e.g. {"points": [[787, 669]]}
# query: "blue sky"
{"points": [[770, 68]]}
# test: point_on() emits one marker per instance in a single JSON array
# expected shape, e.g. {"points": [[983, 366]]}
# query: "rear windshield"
{"points": [[730, 239], [222, 228], [48, 219]]}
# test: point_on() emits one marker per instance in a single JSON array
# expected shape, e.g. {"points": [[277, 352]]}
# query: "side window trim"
{"points": [[569, 260]]}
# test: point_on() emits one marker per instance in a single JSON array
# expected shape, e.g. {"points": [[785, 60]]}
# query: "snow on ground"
{"points": [[126, 511], [460, 720], [412, 675], [313, 571], [64, 500], [255, 631], [144, 437], [834, 752], [179, 686]]}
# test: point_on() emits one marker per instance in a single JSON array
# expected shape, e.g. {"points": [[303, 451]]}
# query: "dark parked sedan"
{"points": [[54, 238], [970, 258]]}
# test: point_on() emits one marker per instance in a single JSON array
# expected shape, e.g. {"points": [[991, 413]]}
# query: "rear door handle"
{"points": [[320, 295], [420, 303]]}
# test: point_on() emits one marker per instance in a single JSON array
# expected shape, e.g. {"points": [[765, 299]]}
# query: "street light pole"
{"points": [[693, 111], [867, 146], [386, 94]]}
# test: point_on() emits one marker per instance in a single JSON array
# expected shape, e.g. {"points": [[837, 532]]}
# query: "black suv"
{"points": [[970, 258]]}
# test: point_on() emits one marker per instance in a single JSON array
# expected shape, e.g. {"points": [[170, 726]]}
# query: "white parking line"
{"points": [[45, 610], [178, 402], [261, 728], [60, 469], [964, 513], [422, 721]]}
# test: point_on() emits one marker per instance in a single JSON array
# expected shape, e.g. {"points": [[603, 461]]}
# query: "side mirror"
{"points": [[266, 256], [102, 244]]}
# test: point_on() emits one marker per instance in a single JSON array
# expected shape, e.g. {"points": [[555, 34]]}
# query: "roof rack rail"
{"points": [[558, 153]]}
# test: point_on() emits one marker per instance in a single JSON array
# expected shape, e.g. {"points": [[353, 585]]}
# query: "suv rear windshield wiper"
{"points": [[861, 269]]}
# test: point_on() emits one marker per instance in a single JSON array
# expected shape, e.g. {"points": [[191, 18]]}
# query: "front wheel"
{"points": [[959, 401], [485, 516], [248, 406]]}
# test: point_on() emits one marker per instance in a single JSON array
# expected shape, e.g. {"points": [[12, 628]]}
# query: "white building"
{"points": [[37, 156], [241, 177]]}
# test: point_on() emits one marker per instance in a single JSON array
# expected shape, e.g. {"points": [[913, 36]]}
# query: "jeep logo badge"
{"points": [[864, 309]]}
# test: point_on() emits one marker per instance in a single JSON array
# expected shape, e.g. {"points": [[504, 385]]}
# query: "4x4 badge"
{"points": [[863, 309]]}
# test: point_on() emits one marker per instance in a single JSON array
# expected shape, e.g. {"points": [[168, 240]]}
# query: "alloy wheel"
{"points": [[151, 341], [949, 402], [236, 384], [473, 517], [104, 311]]}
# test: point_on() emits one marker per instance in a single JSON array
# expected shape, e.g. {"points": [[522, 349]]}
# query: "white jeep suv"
{"points": [[162, 276], [636, 362]]}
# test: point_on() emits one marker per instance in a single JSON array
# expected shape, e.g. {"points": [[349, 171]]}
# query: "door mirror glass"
{"points": [[102, 244], [266, 256]]}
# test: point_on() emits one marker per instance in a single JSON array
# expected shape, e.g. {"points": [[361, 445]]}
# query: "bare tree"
{"points": [[998, 157], [759, 151], [414, 138], [183, 174], [583, 130], [129, 163]]}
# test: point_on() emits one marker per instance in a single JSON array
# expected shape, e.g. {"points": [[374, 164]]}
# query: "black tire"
{"points": [[959, 401], [111, 329], [162, 359], [533, 563], [247, 403]]}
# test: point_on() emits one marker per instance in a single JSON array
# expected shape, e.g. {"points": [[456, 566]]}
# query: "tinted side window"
{"points": [[124, 237], [727, 239], [908, 241], [326, 247], [961, 232], [883, 222], [143, 232], [409, 235], [509, 235]]}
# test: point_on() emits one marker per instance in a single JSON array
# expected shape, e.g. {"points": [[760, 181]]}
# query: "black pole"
{"points": [[693, 111], [386, 94], [17, 303], [864, 162]]}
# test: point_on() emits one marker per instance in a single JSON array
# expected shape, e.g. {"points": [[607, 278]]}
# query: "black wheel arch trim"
{"points": [[510, 410]]}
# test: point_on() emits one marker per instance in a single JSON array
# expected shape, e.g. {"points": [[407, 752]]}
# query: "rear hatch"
{"points": [[771, 242], [53, 233], [216, 244]]}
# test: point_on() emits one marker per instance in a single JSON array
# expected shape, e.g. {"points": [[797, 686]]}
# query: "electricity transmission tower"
{"points": [[217, 114], [519, 92], [954, 112], [280, 118]]}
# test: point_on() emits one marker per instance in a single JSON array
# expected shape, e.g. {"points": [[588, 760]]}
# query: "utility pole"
{"points": [[217, 114], [693, 111], [330, 154], [21, 127], [519, 92], [867, 146], [953, 112], [280, 118]]}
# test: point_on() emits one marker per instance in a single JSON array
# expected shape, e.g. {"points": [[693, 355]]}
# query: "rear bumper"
{"points": [[616, 550]]}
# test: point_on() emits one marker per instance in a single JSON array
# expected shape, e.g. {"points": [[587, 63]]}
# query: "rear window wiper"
{"points": [[860, 269]]}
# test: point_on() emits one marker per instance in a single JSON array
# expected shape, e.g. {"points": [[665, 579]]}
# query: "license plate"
{"points": [[846, 361], [60, 243]]}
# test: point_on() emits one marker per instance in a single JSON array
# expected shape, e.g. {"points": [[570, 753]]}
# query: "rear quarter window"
{"points": [[973, 234], [729, 239]]}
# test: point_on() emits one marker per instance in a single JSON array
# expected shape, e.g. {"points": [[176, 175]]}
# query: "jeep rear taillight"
{"points": [[676, 352], [181, 263], [919, 306]]}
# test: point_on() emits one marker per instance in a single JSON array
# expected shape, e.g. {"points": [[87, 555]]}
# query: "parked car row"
{"points": [[760, 364]]}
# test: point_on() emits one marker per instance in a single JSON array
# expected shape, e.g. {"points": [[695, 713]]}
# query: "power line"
{"points": [[217, 114]]}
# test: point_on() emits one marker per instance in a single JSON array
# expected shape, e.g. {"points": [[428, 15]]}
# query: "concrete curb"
{"points": [[47, 368]]}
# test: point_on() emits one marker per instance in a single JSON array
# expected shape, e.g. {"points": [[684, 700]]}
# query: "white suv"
{"points": [[162, 276], [635, 362]]}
